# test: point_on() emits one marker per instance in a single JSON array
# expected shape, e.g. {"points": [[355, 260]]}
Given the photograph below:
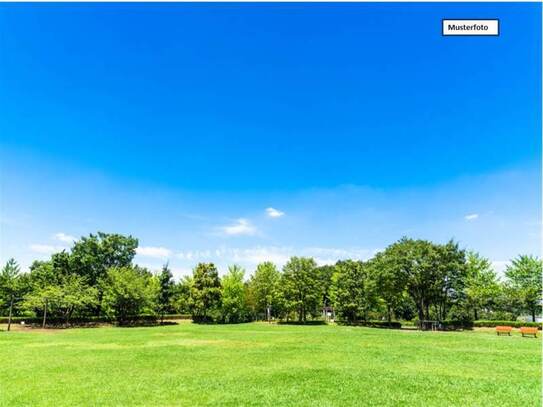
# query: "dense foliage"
{"points": [[412, 280]]}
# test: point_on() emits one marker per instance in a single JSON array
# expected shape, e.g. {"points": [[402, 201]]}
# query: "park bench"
{"points": [[503, 330], [528, 331]]}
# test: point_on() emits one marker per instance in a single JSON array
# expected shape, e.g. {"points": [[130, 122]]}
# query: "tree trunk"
{"points": [[475, 314], [389, 314], [533, 314], [420, 310], [10, 312], [44, 314]]}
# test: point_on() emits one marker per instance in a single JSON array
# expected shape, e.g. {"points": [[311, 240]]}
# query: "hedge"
{"points": [[514, 324], [89, 319], [374, 324]]}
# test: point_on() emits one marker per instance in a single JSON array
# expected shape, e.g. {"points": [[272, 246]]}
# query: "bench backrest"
{"points": [[528, 330], [504, 328]]}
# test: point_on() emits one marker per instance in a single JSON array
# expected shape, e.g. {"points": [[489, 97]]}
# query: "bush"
{"points": [[88, 320], [453, 325], [514, 324], [374, 324]]}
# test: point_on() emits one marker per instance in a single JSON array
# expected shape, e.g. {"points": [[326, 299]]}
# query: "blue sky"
{"points": [[184, 124]]}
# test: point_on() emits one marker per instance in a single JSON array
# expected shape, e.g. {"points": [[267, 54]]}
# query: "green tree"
{"points": [[205, 295], [92, 256], [353, 291], [181, 295], [166, 292], [265, 289], [129, 292], [524, 276], [449, 283], [69, 295], [389, 283], [10, 287], [433, 274], [325, 274], [301, 288], [233, 307], [482, 285]]}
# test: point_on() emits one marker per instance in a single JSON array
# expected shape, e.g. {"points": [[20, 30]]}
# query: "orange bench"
{"points": [[503, 330], [528, 331]]}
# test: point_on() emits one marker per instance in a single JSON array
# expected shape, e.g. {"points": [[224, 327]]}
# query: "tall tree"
{"points": [[433, 274], [205, 296], [233, 308], [325, 274], [265, 289], [353, 291], [9, 287], [449, 285], [301, 288], [389, 283], [524, 276], [92, 256], [166, 291], [482, 285], [181, 295], [129, 292]]}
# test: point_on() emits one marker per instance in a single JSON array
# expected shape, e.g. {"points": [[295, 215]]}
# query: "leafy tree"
{"points": [[233, 308], [92, 256], [67, 296], [181, 295], [325, 274], [10, 287], [166, 291], [353, 291], [301, 288], [389, 283], [449, 284], [433, 274], [9, 282], [205, 294], [524, 276], [128, 292], [482, 285], [264, 286]]}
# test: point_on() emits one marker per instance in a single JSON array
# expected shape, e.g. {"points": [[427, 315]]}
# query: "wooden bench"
{"points": [[528, 331], [503, 330]]}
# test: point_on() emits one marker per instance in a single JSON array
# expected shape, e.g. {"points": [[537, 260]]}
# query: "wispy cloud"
{"points": [[471, 217], [239, 228], [46, 248], [156, 252], [276, 254], [274, 213], [63, 237]]}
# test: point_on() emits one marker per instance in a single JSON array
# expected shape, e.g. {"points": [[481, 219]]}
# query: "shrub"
{"points": [[374, 324]]}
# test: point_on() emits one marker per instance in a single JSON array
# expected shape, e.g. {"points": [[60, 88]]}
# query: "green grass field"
{"points": [[260, 364]]}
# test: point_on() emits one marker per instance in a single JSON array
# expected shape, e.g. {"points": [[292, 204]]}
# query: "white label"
{"points": [[471, 27]]}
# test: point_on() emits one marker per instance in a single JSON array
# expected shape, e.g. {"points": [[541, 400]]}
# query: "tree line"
{"points": [[409, 280]]}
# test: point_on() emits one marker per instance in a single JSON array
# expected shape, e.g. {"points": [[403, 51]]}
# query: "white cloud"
{"points": [[63, 237], [472, 216], [46, 248], [274, 213], [239, 228], [156, 252], [276, 254]]}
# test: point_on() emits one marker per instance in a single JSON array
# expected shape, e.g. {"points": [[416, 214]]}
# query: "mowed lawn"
{"points": [[261, 364]]}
